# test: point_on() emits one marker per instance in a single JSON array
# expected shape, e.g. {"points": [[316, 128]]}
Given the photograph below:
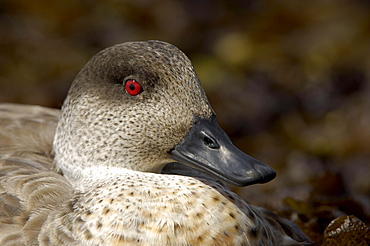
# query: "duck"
{"points": [[135, 156]]}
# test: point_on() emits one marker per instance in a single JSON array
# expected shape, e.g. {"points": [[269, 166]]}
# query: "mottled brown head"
{"points": [[101, 124]]}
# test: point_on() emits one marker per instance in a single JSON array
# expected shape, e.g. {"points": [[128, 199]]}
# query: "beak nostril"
{"points": [[209, 141]]}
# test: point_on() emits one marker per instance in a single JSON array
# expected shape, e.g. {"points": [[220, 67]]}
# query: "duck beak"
{"points": [[208, 148]]}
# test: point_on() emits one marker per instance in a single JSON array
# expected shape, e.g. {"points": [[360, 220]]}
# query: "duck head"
{"points": [[140, 106]]}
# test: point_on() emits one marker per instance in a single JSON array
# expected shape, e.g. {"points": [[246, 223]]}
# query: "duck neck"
{"points": [[93, 177]]}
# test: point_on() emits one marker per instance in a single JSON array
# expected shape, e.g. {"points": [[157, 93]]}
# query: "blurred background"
{"points": [[289, 81]]}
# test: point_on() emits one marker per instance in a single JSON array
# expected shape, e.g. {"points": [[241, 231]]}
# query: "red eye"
{"points": [[133, 88]]}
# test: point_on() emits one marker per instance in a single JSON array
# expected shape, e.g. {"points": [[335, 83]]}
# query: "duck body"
{"points": [[165, 210], [90, 174]]}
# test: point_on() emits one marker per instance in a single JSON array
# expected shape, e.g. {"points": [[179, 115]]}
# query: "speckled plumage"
{"points": [[100, 184]]}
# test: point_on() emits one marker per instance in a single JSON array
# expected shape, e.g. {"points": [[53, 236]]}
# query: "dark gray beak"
{"points": [[208, 148]]}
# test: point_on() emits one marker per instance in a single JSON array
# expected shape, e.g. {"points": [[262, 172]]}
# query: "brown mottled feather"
{"points": [[29, 188]]}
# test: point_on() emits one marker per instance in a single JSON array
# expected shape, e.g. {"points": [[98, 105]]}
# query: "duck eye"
{"points": [[133, 88]]}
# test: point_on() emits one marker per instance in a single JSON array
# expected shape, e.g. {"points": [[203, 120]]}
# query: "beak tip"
{"points": [[260, 175], [266, 173], [270, 176]]}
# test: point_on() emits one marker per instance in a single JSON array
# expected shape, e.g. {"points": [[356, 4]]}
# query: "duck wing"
{"points": [[29, 188], [27, 134]]}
